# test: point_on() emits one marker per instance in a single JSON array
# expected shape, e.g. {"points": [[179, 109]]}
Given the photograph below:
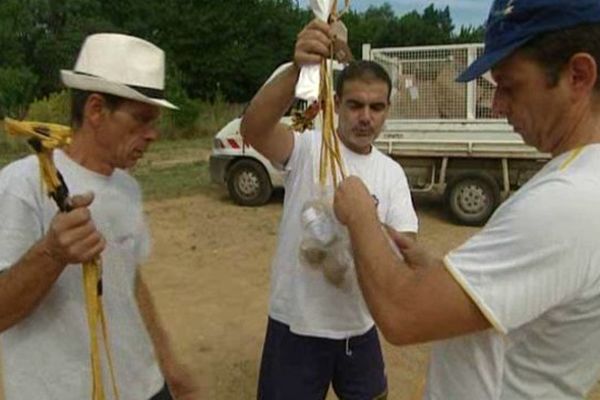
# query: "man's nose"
{"points": [[365, 114], [152, 133]]}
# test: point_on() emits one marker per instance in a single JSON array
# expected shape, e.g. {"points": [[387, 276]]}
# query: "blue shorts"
{"points": [[298, 367]]}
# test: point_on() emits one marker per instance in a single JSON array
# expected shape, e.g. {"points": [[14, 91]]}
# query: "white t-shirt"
{"points": [[47, 355], [301, 296], [534, 271]]}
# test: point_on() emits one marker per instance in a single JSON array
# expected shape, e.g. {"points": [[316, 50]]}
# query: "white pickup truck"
{"points": [[441, 132]]}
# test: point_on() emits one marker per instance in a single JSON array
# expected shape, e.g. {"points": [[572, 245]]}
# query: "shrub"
{"points": [[178, 123], [212, 116], [194, 119], [10, 148], [18, 88], [55, 108]]}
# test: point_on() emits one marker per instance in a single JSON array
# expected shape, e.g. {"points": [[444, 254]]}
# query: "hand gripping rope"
{"points": [[331, 161], [43, 139]]}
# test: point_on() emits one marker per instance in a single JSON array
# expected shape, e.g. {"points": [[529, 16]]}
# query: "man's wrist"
{"points": [[51, 260], [362, 218], [295, 68], [294, 71]]}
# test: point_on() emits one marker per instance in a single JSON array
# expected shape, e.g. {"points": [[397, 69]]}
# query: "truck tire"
{"points": [[472, 198], [248, 183]]}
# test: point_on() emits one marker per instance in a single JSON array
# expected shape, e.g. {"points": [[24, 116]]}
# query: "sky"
{"points": [[463, 12]]}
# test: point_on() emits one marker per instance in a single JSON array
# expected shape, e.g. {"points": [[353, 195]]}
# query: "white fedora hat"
{"points": [[120, 65]]}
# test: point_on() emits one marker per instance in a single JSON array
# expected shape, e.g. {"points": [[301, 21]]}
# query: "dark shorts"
{"points": [[164, 394], [298, 367]]}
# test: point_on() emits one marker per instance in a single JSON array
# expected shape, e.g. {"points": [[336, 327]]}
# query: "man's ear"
{"points": [[94, 110], [582, 74], [337, 101]]}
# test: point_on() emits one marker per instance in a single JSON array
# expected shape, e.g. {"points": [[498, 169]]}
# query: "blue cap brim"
{"points": [[487, 61]]}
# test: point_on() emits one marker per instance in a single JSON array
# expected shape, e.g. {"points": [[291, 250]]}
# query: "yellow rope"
{"points": [[44, 138], [331, 162]]}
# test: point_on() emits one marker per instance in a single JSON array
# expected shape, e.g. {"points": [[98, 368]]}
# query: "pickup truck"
{"points": [[443, 134]]}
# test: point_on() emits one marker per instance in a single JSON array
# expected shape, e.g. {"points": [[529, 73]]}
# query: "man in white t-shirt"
{"points": [[516, 309], [319, 330], [117, 86]]}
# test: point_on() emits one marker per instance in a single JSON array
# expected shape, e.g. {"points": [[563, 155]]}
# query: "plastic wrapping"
{"points": [[307, 87], [325, 244]]}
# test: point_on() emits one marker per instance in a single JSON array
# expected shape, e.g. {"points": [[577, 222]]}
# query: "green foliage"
{"points": [[183, 179], [10, 148], [209, 118], [231, 47], [212, 116], [165, 151], [17, 87], [15, 27], [198, 118], [470, 34], [174, 168], [381, 27], [54, 108], [178, 123], [45, 35], [216, 51]]}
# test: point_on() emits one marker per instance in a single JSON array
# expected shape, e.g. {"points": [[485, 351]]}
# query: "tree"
{"points": [[17, 91], [470, 34], [381, 27], [231, 48], [372, 26], [440, 21], [225, 48]]}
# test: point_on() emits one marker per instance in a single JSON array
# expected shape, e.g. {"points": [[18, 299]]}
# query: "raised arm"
{"points": [[260, 125]]}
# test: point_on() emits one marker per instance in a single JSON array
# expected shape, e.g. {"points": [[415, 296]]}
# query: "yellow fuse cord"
{"points": [[44, 138], [331, 162]]}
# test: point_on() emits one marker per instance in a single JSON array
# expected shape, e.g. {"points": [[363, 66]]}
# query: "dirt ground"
{"points": [[209, 274]]}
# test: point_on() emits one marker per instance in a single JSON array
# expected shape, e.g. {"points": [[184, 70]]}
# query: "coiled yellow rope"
{"points": [[44, 138]]}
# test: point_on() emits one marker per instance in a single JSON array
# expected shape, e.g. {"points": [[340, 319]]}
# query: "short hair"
{"points": [[363, 70], [79, 98], [553, 50]]}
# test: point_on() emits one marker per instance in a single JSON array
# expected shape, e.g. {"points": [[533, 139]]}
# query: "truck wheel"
{"points": [[472, 198], [248, 183]]}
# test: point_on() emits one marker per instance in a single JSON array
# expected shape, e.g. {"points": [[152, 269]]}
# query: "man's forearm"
{"points": [[157, 333], [382, 275], [412, 301], [180, 382], [24, 285]]}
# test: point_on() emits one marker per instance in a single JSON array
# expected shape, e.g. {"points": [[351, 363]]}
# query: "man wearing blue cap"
{"points": [[519, 303]]}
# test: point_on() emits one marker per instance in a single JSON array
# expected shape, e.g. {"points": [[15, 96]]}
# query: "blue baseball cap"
{"points": [[512, 23]]}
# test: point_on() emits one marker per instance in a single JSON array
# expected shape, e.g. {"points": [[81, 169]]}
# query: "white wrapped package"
{"points": [[308, 84]]}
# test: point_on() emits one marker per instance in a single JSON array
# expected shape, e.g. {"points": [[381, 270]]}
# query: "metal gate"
{"points": [[424, 86]]}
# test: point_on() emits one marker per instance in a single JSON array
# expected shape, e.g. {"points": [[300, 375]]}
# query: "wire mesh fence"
{"points": [[424, 86]]}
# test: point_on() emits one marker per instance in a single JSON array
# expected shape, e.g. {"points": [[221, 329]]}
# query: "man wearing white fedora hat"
{"points": [[117, 91]]}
